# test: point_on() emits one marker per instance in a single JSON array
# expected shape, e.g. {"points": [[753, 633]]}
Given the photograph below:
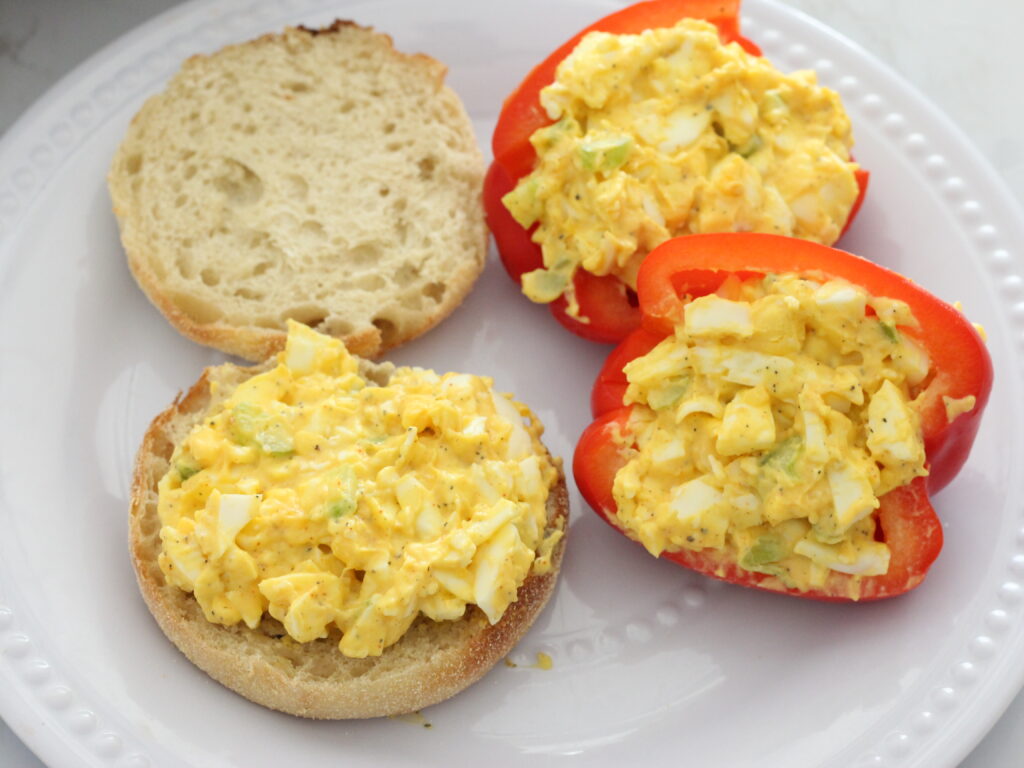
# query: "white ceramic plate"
{"points": [[650, 661]]}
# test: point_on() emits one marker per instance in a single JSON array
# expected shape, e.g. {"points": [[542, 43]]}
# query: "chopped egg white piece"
{"points": [[711, 317]]}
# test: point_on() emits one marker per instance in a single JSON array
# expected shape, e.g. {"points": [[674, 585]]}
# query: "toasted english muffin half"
{"points": [[430, 663], [314, 175]]}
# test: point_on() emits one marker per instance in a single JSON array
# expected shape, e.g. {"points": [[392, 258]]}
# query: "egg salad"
{"points": [[331, 502], [770, 423], [670, 132]]}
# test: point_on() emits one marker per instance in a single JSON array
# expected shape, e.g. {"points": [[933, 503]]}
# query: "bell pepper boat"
{"points": [[782, 417], [704, 159]]}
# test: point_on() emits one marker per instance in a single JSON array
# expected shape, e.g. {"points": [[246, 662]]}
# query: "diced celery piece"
{"points": [[244, 421], [605, 154], [186, 468], [275, 441], [340, 508], [785, 455], [768, 549], [544, 285], [772, 102], [522, 202], [669, 393], [750, 146], [825, 533], [344, 494]]}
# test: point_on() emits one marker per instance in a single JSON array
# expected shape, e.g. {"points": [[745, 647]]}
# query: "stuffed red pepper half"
{"points": [[647, 125], [782, 417]]}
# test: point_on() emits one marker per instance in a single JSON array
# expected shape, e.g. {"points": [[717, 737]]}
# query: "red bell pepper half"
{"points": [[606, 302], [684, 268]]}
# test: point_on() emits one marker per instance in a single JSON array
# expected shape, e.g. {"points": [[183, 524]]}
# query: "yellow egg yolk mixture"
{"points": [[670, 132], [769, 425], [330, 502]]}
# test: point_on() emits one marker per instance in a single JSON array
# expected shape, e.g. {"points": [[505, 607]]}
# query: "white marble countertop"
{"points": [[959, 54]]}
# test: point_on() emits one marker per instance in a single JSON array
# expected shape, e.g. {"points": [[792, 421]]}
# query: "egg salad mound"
{"points": [[670, 132], [770, 423], [331, 502]]}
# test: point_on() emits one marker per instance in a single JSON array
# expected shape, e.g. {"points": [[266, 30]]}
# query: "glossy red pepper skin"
{"points": [[696, 265], [610, 387], [606, 302]]}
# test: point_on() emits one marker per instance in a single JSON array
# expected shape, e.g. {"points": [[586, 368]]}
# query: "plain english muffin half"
{"points": [[314, 175]]}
